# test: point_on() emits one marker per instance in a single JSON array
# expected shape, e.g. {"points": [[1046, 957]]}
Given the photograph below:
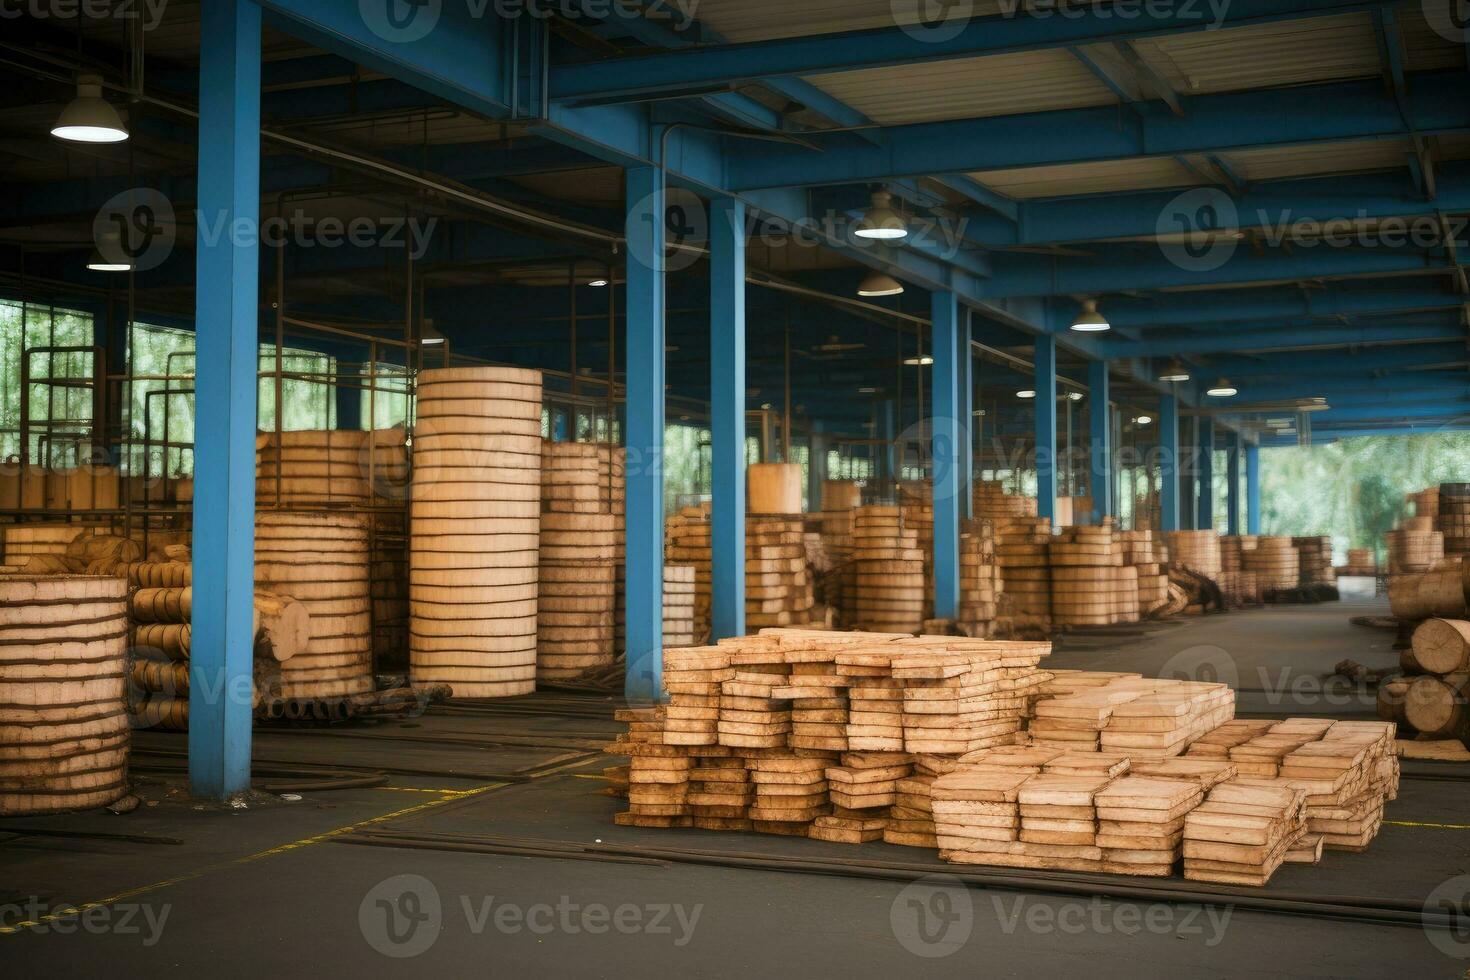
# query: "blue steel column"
{"points": [[1169, 463], [227, 328], [966, 361], [1232, 478], [1206, 474], [727, 415], [1100, 417], [950, 457], [1046, 426], [816, 468], [1253, 489], [645, 434]]}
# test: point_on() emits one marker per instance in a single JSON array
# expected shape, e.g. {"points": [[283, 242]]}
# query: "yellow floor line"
{"points": [[450, 796], [1436, 826], [417, 789]]}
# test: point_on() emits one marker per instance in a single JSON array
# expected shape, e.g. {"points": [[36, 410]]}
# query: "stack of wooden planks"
{"points": [[889, 585], [1314, 560], [1143, 717], [1091, 584], [979, 578]]}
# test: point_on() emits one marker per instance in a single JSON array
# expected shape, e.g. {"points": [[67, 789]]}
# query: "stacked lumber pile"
{"points": [[1239, 584], [916, 500], [1142, 550], [476, 521], [889, 581], [836, 580], [778, 582], [1023, 556], [979, 578], [1276, 563], [1091, 585], [612, 477], [678, 606], [819, 733], [989, 499], [1454, 517], [1146, 718], [1198, 551], [329, 467], [1242, 832], [1360, 561], [575, 608], [1314, 558], [1417, 542], [19, 542], [687, 542]]}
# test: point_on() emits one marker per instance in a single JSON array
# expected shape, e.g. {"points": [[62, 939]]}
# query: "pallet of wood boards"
{"points": [[934, 742]]}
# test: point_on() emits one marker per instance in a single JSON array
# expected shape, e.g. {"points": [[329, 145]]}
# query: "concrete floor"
{"points": [[292, 888]]}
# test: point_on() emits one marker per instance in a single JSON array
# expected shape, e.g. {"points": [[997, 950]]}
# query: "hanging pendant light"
{"points": [[109, 255], [1026, 393], [879, 284], [1176, 371], [89, 118], [881, 221], [1090, 320], [1223, 389]]}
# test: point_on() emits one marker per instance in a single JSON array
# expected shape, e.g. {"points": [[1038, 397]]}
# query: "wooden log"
{"points": [[1435, 706], [1442, 646], [283, 623], [1429, 594]]}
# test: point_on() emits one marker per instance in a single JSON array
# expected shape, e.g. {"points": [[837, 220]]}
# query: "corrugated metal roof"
{"points": [[1089, 178], [762, 20], [1294, 52], [1028, 82], [1275, 163], [1424, 48]]}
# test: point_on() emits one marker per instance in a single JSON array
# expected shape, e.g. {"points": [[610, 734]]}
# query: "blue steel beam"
{"points": [[1232, 483], [1240, 120], [1100, 444], [731, 64], [950, 455], [1326, 366], [727, 416], [224, 463], [1169, 463], [1447, 408], [1206, 474], [1228, 308], [644, 364], [1045, 386], [1263, 340]]}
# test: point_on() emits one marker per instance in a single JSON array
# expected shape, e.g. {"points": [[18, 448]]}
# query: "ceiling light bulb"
{"points": [[109, 255], [598, 283], [881, 221], [1144, 420], [1223, 389], [1176, 371], [1090, 320], [1026, 393], [879, 284], [1075, 396], [89, 118]]}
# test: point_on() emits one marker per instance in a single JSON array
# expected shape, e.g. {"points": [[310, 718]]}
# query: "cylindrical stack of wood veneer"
{"points": [[474, 547], [575, 616], [1454, 517], [25, 540], [322, 561], [889, 578], [1198, 551], [64, 732], [1314, 554], [612, 477], [327, 468], [687, 542], [1088, 587], [1141, 550], [991, 500], [979, 578], [1360, 562], [917, 500], [1415, 546], [1276, 563], [1426, 503], [678, 606]]}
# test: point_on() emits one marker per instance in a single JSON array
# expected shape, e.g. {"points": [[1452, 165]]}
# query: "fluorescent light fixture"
{"points": [[599, 283], [1026, 393], [879, 284], [429, 337], [924, 361], [1090, 320], [1223, 389], [882, 222], [89, 118], [1144, 420], [1176, 371], [867, 391], [1075, 396]]}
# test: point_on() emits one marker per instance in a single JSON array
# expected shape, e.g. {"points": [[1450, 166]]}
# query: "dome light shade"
{"points": [[1223, 389], [1026, 393], [1090, 320], [879, 284], [99, 263], [1144, 420], [89, 118], [115, 258], [1176, 371], [881, 221]]}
